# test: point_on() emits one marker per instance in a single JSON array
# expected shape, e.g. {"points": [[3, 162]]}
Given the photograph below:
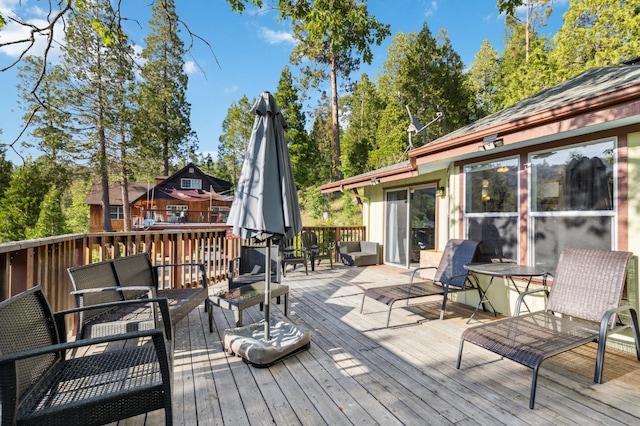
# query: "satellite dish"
{"points": [[415, 126]]}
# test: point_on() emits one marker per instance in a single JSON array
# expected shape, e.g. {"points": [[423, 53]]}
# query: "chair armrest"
{"points": [[421, 268], [162, 303], [521, 297], [156, 335], [151, 290]]}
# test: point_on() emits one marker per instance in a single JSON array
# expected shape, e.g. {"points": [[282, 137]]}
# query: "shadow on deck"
{"points": [[358, 372]]}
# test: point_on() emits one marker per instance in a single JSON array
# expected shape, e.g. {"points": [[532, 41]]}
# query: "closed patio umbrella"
{"points": [[265, 207]]}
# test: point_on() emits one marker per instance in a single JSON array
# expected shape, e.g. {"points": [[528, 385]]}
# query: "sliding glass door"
{"points": [[410, 225]]}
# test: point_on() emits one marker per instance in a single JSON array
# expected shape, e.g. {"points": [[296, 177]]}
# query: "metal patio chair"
{"points": [[587, 286]]}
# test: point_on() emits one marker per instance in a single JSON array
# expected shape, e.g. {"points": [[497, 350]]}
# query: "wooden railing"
{"points": [[44, 262]]}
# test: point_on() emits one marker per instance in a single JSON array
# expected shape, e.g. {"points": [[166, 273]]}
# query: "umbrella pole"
{"points": [[267, 293]]}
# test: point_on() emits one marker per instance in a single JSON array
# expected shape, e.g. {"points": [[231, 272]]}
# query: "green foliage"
{"points": [[6, 168], [51, 220], [313, 202], [236, 133], [162, 124], [301, 150], [76, 212], [596, 33], [483, 80], [362, 109], [20, 206]]}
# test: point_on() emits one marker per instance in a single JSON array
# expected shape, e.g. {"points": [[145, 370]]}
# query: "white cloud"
{"points": [[15, 32], [232, 89], [190, 67], [431, 8], [275, 37]]}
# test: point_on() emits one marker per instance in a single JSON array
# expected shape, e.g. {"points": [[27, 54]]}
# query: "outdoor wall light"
{"points": [[440, 192], [490, 142], [375, 181]]}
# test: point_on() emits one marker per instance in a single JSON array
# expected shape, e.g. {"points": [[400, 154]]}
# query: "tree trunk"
{"points": [[334, 119]]}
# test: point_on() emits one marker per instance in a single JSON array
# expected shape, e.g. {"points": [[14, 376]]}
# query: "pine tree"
{"points": [[163, 125], [236, 132], [301, 150]]}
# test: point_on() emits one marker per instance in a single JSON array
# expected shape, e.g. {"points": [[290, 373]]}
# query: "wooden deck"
{"points": [[358, 372]]}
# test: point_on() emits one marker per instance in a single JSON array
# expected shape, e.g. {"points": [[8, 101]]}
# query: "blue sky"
{"points": [[252, 49]]}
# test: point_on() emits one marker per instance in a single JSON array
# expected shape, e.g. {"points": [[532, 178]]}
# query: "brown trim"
{"points": [[622, 163]]}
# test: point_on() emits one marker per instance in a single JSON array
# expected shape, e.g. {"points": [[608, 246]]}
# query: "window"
{"points": [[186, 183], [177, 207], [491, 207], [571, 200], [116, 212]]}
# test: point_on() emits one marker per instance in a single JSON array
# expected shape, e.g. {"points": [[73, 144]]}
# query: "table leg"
{"points": [[286, 304], [483, 299], [525, 289], [237, 315]]}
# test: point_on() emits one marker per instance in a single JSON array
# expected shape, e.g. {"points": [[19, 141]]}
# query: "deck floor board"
{"points": [[359, 372]]}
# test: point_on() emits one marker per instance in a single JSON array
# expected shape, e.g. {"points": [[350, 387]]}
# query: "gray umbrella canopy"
{"points": [[265, 206], [266, 202]]}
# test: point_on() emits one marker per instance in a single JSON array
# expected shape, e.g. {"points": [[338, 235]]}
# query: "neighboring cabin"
{"points": [[189, 197]]}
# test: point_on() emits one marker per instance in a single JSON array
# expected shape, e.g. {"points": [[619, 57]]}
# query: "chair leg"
{"points": [[534, 382], [362, 304], [459, 354], [444, 301], [389, 314]]}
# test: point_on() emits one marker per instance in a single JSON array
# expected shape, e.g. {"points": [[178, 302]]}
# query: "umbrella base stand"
{"points": [[248, 342]]}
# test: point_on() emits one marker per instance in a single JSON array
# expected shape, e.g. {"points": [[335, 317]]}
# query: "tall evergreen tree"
{"points": [[596, 33], [236, 132], [336, 36], [51, 220], [6, 168], [163, 125], [520, 78], [20, 206], [322, 141], [363, 109], [301, 150], [483, 80], [91, 60]]}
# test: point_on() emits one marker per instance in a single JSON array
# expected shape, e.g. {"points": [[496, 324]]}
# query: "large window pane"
{"points": [[572, 194], [578, 178], [492, 187], [552, 234], [491, 208], [498, 235]]}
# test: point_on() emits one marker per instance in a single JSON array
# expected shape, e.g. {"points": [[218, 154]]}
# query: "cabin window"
{"points": [[491, 207], [186, 183], [571, 200], [116, 212]]}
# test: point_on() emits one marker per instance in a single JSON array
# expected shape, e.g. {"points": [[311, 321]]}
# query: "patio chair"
{"points": [[250, 266], [290, 255], [587, 286], [316, 251], [450, 276]]}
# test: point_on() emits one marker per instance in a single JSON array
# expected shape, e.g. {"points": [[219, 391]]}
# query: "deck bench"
{"points": [[41, 384], [128, 278]]}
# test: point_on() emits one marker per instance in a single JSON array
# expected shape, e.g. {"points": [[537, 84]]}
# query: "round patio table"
{"points": [[508, 270]]}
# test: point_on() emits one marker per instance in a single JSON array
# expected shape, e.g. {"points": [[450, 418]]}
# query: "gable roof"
{"points": [[596, 87], [592, 90], [94, 196], [170, 186]]}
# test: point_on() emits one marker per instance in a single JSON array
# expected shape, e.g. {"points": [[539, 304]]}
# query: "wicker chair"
{"points": [[588, 286], [39, 385], [450, 276], [250, 266]]}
